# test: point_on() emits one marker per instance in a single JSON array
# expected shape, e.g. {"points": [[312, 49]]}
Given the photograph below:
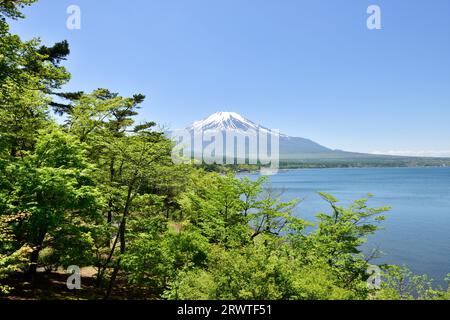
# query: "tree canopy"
{"points": [[100, 191]]}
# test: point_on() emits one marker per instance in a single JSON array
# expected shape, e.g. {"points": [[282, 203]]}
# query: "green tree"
{"points": [[54, 187], [401, 284], [337, 241], [30, 73], [255, 272]]}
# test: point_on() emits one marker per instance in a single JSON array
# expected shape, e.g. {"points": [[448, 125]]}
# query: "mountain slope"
{"points": [[237, 124], [297, 150]]}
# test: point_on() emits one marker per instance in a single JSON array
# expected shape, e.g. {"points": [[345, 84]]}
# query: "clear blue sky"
{"points": [[309, 68]]}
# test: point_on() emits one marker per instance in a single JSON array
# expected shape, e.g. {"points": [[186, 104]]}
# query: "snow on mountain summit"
{"points": [[226, 121]]}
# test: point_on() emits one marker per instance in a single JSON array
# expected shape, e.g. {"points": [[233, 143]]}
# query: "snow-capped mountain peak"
{"points": [[225, 121], [232, 122]]}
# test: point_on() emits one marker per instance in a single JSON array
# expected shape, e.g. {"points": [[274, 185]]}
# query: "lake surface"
{"points": [[416, 231]]}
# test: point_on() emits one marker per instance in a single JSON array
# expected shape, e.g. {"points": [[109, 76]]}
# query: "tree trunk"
{"points": [[122, 235], [113, 279], [13, 152], [110, 214], [33, 262], [112, 173], [34, 257]]}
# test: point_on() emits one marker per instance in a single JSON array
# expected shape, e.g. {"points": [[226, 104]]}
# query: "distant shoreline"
{"points": [[354, 167]]}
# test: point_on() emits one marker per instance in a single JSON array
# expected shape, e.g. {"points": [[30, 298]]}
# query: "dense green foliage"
{"points": [[101, 191]]}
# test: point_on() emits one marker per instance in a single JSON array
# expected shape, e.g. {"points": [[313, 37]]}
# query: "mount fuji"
{"points": [[234, 122], [301, 152], [226, 121]]}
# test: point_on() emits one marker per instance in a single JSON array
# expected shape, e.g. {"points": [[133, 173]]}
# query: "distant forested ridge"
{"points": [[100, 192]]}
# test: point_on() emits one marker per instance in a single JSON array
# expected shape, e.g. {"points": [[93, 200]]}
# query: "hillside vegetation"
{"points": [[101, 192]]}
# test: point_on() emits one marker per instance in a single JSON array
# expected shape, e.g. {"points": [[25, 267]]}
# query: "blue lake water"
{"points": [[416, 232]]}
